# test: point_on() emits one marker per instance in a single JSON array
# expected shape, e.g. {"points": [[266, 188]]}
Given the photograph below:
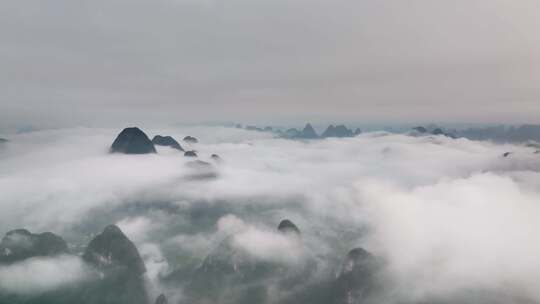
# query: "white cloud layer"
{"points": [[42, 274], [445, 215], [262, 244]]}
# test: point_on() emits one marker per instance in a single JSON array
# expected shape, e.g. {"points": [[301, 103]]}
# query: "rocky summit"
{"points": [[121, 271], [112, 249], [190, 154], [420, 129], [114, 271], [132, 141], [337, 131], [308, 132], [291, 133], [167, 141], [161, 299], [190, 139], [286, 226], [21, 244], [357, 280], [437, 131]]}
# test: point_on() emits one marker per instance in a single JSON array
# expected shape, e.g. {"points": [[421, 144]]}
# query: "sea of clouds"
{"points": [[445, 215]]}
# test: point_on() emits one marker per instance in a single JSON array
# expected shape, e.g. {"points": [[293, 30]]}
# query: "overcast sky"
{"points": [[91, 61]]}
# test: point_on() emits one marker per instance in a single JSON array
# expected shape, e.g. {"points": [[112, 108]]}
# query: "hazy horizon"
{"points": [[124, 178]]}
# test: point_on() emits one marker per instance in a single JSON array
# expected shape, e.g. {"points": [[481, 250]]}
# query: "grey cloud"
{"points": [[109, 61]]}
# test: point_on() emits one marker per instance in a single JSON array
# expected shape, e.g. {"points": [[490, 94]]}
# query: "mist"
{"points": [[445, 216], [432, 196]]}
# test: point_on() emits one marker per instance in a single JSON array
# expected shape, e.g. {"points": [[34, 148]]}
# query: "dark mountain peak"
{"points": [[21, 244], [337, 131], [357, 258], [329, 132], [308, 132], [357, 131], [3, 140], [359, 267], [21, 232], [437, 131], [291, 133], [190, 154], [132, 141], [507, 154], [113, 230], [216, 158], [420, 129], [357, 279], [161, 299], [343, 131], [190, 139], [112, 249], [254, 128], [168, 141], [532, 144], [287, 226]]}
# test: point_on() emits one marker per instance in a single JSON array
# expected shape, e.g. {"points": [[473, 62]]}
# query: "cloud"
{"points": [[446, 215], [262, 244], [269, 246], [230, 224], [37, 275], [137, 228], [466, 233]]}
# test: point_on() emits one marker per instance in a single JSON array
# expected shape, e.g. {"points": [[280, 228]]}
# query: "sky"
{"points": [[94, 62]]}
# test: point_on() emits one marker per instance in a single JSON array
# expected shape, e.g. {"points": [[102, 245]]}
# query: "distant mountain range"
{"points": [[510, 134], [500, 134], [308, 132], [514, 134]]}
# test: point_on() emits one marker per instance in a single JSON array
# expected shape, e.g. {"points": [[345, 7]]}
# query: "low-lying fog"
{"points": [[445, 215]]}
